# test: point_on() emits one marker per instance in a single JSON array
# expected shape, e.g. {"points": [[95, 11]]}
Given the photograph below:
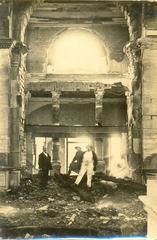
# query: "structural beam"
{"points": [[77, 100], [48, 24], [50, 14], [105, 78], [71, 131], [94, 1], [61, 82]]}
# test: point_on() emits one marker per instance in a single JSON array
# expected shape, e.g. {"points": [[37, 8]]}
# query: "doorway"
{"points": [[72, 143], [118, 164]]}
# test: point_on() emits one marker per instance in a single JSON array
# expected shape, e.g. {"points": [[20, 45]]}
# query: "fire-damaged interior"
{"points": [[75, 75]]}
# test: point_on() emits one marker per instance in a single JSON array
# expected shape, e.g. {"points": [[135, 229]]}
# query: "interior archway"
{"points": [[77, 51]]}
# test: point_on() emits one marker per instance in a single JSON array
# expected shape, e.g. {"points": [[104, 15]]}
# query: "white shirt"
{"points": [[45, 154], [88, 156]]}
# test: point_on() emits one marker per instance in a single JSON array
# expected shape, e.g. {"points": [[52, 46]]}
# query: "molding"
{"points": [[77, 100], [65, 131], [5, 43], [106, 80]]}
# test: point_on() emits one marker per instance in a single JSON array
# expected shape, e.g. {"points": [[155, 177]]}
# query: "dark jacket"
{"points": [[44, 161], [95, 159], [76, 162]]}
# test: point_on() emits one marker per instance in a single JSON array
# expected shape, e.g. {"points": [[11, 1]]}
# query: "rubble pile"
{"points": [[106, 210]]}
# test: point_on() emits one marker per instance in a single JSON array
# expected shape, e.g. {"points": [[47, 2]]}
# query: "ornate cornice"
{"points": [[5, 43]]}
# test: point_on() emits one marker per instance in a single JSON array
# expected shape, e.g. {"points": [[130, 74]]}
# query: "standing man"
{"points": [[75, 165], [89, 164], [44, 166]]}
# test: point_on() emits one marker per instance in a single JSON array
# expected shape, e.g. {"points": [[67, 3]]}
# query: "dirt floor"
{"points": [[109, 209]]}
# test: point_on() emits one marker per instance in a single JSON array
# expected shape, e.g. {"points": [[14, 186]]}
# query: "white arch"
{"points": [[77, 51]]}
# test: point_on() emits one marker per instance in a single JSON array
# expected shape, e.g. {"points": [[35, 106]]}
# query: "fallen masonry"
{"points": [[64, 209]]}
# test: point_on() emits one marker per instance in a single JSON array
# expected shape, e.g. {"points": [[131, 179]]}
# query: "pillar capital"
{"points": [[22, 12], [18, 47]]}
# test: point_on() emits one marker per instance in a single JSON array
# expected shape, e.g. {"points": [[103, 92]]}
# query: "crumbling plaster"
{"points": [[133, 15], [114, 39]]}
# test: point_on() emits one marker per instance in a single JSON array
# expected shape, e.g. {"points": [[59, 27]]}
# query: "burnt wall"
{"points": [[39, 40], [133, 14], [149, 80]]}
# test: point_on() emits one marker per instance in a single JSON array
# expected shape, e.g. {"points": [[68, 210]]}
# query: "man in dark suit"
{"points": [[44, 166], [77, 160]]}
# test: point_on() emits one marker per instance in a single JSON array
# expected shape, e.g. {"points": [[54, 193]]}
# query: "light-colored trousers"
{"points": [[87, 166]]}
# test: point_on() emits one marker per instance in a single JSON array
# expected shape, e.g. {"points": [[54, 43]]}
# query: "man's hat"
{"points": [[77, 147]]}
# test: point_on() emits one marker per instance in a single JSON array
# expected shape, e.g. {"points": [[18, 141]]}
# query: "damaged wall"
{"points": [[149, 57], [14, 19], [5, 44], [21, 13], [17, 101], [4, 107], [133, 15], [140, 24], [114, 38], [142, 52]]}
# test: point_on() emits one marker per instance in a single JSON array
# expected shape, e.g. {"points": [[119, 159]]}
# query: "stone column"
{"points": [[62, 155], [134, 142], [4, 102], [149, 202], [134, 105], [106, 153], [5, 44], [22, 13], [55, 107], [133, 15], [24, 152], [17, 101], [98, 106], [29, 151], [98, 150], [56, 160], [151, 209], [149, 89]]}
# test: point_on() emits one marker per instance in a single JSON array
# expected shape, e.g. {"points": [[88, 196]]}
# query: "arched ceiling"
{"points": [[77, 51], [53, 17]]}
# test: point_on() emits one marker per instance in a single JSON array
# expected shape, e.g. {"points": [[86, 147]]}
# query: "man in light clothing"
{"points": [[89, 163]]}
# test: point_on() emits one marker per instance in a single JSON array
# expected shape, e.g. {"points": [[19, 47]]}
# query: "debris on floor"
{"points": [[108, 209]]}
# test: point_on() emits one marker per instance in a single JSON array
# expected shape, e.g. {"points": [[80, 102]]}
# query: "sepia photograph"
{"points": [[78, 119]]}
